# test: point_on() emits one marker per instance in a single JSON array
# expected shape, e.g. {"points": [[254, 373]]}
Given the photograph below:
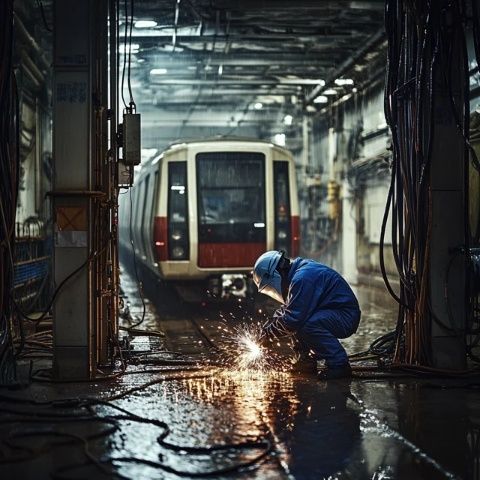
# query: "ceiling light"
{"points": [[287, 119], [343, 81], [134, 48], [145, 24], [158, 71], [354, 90], [258, 106], [330, 91], [279, 139], [321, 99], [220, 70]]}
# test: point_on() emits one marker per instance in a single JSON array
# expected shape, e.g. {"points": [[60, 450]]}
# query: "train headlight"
{"points": [[282, 234], [178, 253], [176, 235]]}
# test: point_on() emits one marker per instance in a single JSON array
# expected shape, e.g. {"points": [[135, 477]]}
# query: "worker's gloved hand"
{"points": [[274, 328], [268, 330]]}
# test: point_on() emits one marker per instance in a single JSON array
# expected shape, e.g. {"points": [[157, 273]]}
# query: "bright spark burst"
{"points": [[250, 353]]}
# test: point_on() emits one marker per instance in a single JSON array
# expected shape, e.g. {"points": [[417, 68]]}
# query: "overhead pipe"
{"points": [[373, 42], [30, 41]]}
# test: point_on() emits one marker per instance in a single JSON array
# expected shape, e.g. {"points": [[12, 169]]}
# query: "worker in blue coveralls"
{"points": [[319, 307]]}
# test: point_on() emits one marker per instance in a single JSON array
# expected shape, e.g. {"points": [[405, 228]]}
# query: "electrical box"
{"points": [[131, 139]]}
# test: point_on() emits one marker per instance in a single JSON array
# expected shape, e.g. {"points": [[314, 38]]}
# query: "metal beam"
{"points": [[230, 81], [239, 60], [372, 43]]}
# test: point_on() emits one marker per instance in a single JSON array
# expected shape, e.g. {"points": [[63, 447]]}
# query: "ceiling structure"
{"points": [[206, 67], [254, 68]]}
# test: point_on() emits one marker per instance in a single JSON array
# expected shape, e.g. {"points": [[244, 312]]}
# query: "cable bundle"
{"points": [[421, 35], [8, 186]]}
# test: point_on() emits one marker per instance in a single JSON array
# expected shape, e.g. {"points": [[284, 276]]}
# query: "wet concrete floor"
{"points": [[277, 425]]}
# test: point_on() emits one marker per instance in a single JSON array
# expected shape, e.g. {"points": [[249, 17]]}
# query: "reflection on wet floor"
{"points": [[291, 427]]}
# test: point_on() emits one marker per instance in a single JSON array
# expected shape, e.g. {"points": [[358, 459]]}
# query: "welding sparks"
{"points": [[245, 349], [251, 353]]}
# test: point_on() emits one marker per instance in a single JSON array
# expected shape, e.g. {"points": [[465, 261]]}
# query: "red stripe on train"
{"points": [[295, 226], [223, 255], [160, 238]]}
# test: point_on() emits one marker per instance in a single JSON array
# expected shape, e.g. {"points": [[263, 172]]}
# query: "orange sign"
{"points": [[71, 218]]}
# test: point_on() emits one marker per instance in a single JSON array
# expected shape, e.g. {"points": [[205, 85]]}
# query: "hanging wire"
{"points": [[421, 38]]}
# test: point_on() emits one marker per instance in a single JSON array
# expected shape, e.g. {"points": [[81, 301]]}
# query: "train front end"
{"points": [[223, 204]]}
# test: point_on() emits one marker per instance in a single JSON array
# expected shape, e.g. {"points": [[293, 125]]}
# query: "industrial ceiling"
{"points": [[251, 67]]}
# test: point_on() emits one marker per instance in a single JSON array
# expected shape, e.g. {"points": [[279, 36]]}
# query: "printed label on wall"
{"points": [[71, 227]]}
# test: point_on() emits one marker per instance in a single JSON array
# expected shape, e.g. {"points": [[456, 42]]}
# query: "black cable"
{"points": [[124, 56], [57, 290], [9, 181], [132, 104], [44, 19], [82, 410]]}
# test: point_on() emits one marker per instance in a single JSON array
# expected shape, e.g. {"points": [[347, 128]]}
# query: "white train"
{"points": [[203, 211]]}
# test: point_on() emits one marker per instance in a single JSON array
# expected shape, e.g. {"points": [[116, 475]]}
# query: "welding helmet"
{"points": [[266, 276]]}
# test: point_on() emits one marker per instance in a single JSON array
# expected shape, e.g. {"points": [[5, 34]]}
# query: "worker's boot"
{"points": [[305, 364], [331, 373]]}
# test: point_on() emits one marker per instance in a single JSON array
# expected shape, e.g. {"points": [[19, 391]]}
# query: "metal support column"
{"points": [[448, 207], [349, 234]]}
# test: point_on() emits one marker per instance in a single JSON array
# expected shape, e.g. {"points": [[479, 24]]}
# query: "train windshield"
{"points": [[231, 196]]}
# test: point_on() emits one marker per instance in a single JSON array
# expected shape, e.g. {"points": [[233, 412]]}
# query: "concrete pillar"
{"points": [[349, 234], [447, 180], [76, 102]]}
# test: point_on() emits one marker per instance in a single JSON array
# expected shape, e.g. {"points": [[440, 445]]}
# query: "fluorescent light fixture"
{"points": [[320, 99], [343, 81], [145, 24], [259, 225], [158, 71], [220, 70], [279, 139], [287, 120], [330, 91], [258, 105], [135, 48]]}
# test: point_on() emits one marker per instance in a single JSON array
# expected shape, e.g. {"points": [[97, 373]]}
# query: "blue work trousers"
{"points": [[321, 333]]}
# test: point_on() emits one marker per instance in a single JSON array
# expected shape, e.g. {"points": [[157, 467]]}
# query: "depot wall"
{"points": [[350, 147]]}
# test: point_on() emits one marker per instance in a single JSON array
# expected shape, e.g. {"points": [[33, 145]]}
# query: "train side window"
{"points": [[282, 206], [178, 236], [136, 218], [143, 225]]}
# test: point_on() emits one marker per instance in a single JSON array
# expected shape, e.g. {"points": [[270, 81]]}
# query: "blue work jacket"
{"points": [[314, 291]]}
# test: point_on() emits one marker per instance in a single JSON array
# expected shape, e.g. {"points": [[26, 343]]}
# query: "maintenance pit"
{"points": [[276, 424]]}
